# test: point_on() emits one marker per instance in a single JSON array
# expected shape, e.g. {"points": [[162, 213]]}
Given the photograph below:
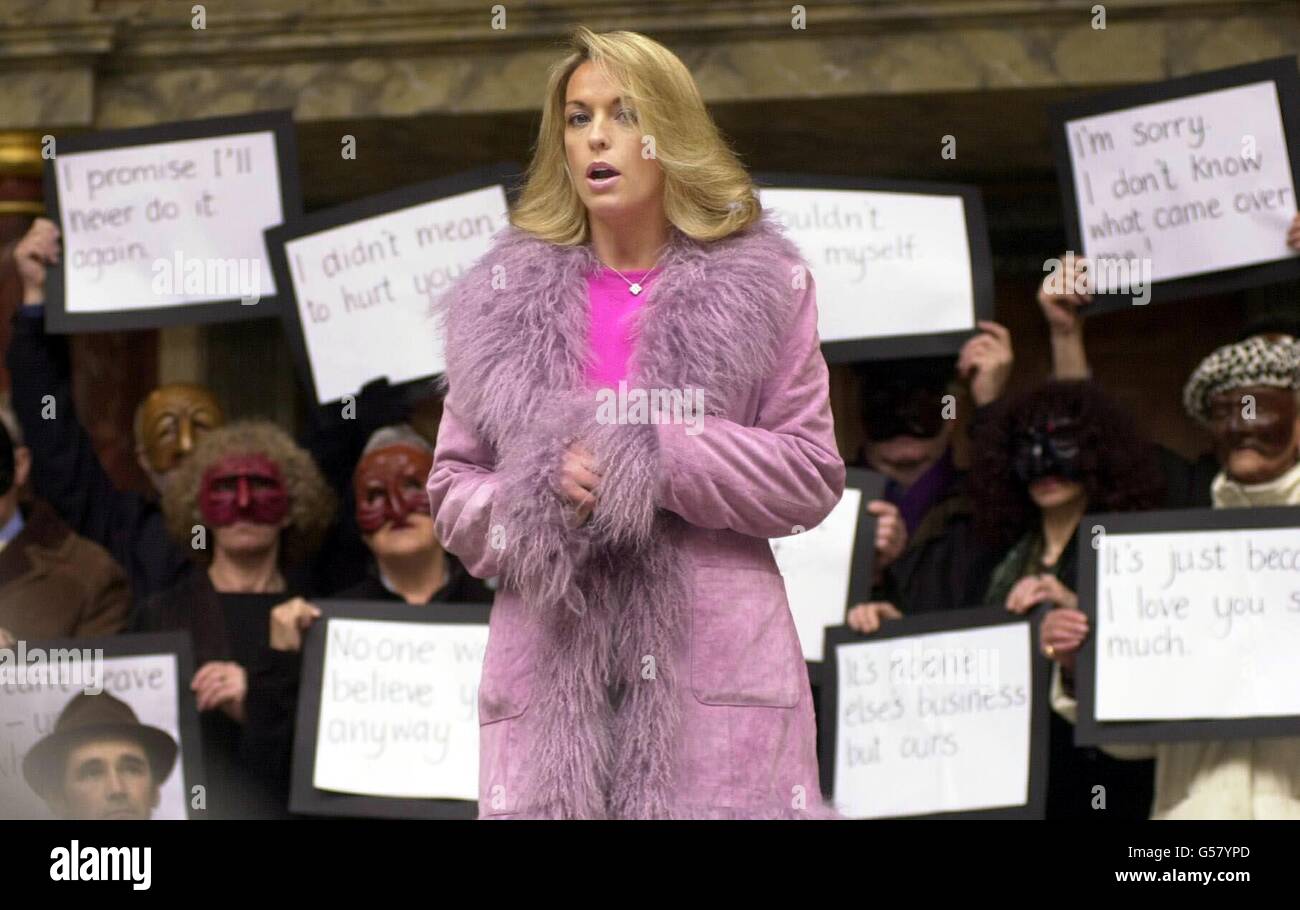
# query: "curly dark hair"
{"points": [[1118, 467]]}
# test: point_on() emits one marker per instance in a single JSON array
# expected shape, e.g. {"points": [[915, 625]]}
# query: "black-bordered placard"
{"points": [[956, 701], [149, 673], [382, 689], [1184, 187], [828, 568], [162, 225], [362, 277], [1198, 626], [903, 268]]}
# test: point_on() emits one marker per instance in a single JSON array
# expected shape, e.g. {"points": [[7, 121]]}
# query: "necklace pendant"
{"points": [[634, 288]]}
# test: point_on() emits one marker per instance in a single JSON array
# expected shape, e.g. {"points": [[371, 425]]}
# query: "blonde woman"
{"points": [[642, 660]]}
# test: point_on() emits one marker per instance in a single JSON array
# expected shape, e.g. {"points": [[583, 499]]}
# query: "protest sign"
{"points": [[162, 225], [149, 673], [1195, 625], [828, 568], [388, 711], [942, 714], [1184, 187], [902, 269], [361, 279]]}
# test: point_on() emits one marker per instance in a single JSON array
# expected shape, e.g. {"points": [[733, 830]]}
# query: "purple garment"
{"points": [[914, 502], [669, 596]]}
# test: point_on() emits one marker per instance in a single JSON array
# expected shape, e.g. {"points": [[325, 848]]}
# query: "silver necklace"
{"points": [[634, 286]]}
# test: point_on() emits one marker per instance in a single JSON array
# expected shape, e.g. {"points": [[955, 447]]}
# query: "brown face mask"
{"points": [[389, 486], [172, 419], [1270, 431]]}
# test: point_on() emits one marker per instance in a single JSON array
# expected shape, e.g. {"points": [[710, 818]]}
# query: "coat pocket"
{"points": [[744, 647], [506, 686]]}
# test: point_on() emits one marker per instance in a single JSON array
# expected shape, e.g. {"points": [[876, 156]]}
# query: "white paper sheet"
{"points": [[817, 565], [884, 263], [368, 287], [930, 723], [1198, 624], [134, 219], [399, 709], [1197, 184]]}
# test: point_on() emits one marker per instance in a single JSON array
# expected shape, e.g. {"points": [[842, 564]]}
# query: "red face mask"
{"points": [[243, 488], [389, 484]]}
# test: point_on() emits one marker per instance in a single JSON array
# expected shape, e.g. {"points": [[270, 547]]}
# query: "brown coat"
{"points": [[55, 584]]}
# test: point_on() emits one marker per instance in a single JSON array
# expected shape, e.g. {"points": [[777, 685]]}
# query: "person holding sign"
{"points": [[637, 403], [67, 473], [1064, 297], [392, 509], [1248, 394], [1056, 452], [908, 416], [253, 507]]}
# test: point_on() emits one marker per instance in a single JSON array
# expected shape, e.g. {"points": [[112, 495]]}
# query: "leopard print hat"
{"points": [[1254, 361]]}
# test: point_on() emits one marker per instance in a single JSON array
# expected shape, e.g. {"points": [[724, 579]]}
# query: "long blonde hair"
{"points": [[707, 192]]}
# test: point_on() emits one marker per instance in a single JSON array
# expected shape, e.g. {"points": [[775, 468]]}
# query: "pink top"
{"points": [[611, 333]]}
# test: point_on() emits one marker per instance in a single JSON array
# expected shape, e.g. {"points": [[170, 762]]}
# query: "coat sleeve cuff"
{"points": [[541, 552], [628, 455]]}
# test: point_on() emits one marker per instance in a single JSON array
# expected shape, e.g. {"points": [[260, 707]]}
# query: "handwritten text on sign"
{"points": [[368, 286], [884, 263], [168, 224], [1198, 624], [1197, 184], [931, 723], [399, 709], [816, 565]]}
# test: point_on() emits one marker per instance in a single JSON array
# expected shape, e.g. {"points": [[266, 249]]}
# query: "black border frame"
{"points": [[505, 173], [863, 563], [896, 347], [1088, 731], [1279, 70], [278, 122], [950, 621], [143, 644], [303, 797]]}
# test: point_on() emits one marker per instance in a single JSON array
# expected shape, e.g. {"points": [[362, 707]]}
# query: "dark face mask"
{"points": [[1049, 448], [892, 411], [389, 485], [1268, 431]]}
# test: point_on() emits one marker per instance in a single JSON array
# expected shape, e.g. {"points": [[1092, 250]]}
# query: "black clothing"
{"points": [[946, 565], [66, 471], [225, 627], [1187, 483], [460, 587]]}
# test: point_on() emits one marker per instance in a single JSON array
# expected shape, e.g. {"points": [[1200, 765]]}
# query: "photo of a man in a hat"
{"points": [[100, 762]]}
